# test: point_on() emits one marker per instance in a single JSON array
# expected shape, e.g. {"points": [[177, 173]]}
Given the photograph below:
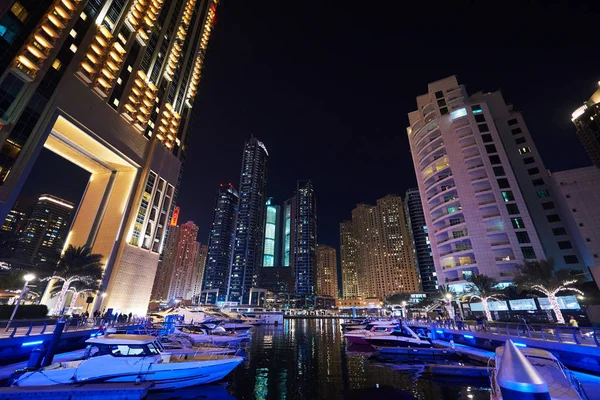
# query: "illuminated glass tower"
{"points": [[110, 86], [249, 232], [287, 233], [305, 239], [220, 246], [46, 230], [420, 236], [272, 239]]}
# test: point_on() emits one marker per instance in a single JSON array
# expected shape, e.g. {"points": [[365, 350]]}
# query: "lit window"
{"points": [[73, 33], [116, 102], [524, 150], [19, 11], [129, 68], [83, 16], [458, 113], [56, 64], [73, 48], [119, 81]]}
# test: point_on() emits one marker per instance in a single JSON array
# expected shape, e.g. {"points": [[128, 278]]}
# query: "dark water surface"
{"points": [[307, 359]]}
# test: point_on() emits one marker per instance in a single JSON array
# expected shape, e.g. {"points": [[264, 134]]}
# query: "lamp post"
{"points": [[27, 278], [449, 309], [404, 310]]}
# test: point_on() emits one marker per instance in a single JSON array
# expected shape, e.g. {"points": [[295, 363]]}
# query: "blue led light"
{"points": [[32, 343], [438, 331], [521, 344], [458, 113], [477, 111], [468, 336]]}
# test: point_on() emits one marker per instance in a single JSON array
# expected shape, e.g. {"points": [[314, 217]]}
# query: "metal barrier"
{"points": [[583, 335], [39, 326]]}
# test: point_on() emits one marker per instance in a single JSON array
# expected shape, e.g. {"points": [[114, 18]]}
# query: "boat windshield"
{"points": [[122, 350]]}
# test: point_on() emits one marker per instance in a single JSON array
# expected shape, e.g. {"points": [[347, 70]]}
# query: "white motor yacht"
{"points": [[561, 383], [358, 336], [199, 336], [132, 358], [403, 337]]}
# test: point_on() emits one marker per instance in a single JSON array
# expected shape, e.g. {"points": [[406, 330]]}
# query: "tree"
{"points": [[540, 276], [428, 304], [76, 264], [446, 294], [485, 289]]}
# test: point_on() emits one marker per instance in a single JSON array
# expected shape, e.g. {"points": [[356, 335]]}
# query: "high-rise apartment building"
{"points": [[578, 196], [44, 235], [587, 121], [108, 85], [164, 271], [185, 269], [384, 256], [304, 247], [249, 232], [484, 193], [197, 277], [327, 282], [272, 236], [220, 246], [287, 236], [350, 282], [420, 236]]}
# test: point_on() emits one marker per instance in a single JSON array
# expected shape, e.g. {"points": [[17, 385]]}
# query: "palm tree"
{"points": [[428, 304], [77, 293], [483, 288], [540, 276], [76, 264], [446, 293]]}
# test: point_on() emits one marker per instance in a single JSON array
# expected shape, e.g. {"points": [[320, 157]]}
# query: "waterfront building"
{"points": [[164, 270], [420, 237], [578, 196], [350, 284], [46, 231], [185, 268], [486, 200], [272, 235], [384, 254], [288, 234], [249, 231], [304, 225], [220, 246], [108, 85], [586, 119], [327, 282], [278, 280], [197, 277]]}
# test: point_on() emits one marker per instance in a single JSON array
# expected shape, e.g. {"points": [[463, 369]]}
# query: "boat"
{"points": [[254, 315], [358, 336], [561, 382], [131, 358], [402, 336], [197, 336]]}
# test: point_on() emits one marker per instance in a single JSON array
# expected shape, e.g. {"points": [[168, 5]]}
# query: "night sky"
{"points": [[327, 88]]}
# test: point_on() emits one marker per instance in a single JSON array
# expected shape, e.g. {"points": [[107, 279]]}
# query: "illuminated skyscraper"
{"points": [[108, 85], [272, 239], [164, 271], [483, 186], [350, 284], [46, 230], [249, 232], [287, 234], [327, 282], [384, 253], [220, 246], [420, 236], [587, 121], [304, 225], [185, 269]]}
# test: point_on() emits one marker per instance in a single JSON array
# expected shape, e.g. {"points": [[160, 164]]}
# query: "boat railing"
{"points": [[575, 384]]}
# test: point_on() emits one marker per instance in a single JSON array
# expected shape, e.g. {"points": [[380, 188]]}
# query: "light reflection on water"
{"points": [[307, 359]]}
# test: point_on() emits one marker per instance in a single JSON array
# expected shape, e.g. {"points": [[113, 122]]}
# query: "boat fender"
{"points": [[452, 344]]}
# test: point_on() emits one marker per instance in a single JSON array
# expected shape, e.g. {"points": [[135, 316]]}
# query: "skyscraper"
{"points": [[220, 246], [586, 119], [327, 282], [197, 277], [420, 236], [577, 196], [482, 186], [164, 271], [249, 232], [108, 85], [185, 269], [287, 257], [305, 238], [350, 284], [272, 236], [44, 235], [384, 254]]}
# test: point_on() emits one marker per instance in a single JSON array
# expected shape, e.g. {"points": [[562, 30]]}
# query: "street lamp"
{"points": [[27, 278], [404, 309]]}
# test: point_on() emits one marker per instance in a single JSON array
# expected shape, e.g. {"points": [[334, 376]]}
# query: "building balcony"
{"points": [[450, 240], [472, 156], [427, 138], [483, 190], [443, 203], [437, 180], [427, 150], [491, 215], [501, 243], [439, 192], [486, 203], [444, 228], [447, 214], [456, 251]]}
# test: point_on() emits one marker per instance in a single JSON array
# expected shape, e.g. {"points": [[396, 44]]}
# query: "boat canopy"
{"points": [[122, 339]]}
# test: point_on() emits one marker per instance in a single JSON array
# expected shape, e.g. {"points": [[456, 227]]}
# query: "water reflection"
{"points": [[307, 359]]}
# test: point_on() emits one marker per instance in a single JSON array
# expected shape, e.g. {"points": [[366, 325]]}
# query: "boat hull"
{"points": [[397, 343]]}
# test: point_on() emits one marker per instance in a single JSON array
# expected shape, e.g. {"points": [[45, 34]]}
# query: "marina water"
{"points": [[308, 359]]}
